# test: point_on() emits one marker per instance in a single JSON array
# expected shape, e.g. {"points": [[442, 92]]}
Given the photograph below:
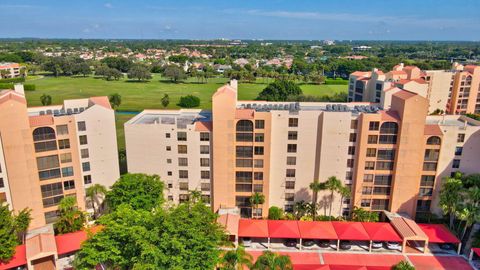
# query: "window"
{"points": [[244, 137], [83, 139], [351, 150], [290, 184], [383, 180], [45, 146], [292, 135], [205, 186], [183, 174], [50, 190], [244, 151], [51, 216], [368, 178], [244, 163], [456, 163], [86, 166], [66, 157], [423, 192], [381, 190], [293, 122], [427, 180], [380, 204], [64, 144], [168, 148], [258, 188], [62, 130], [205, 174], [67, 171], [169, 173], [388, 139], [288, 208], [389, 128], [243, 187], [292, 148], [258, 150], [243, 176], [354, 124], [365, 203], [371, 152], [348, 176], [289, 197], [367, 190], [291, 161], [384, 165], [461, 138], [49, 174], [182, 149], [204, 149], [290, 173], [81, 126], [87, 179], [431, 154], [259, 137], [429, 166], [369, 165], [374, 125], [84, 153], [350, 163], [43, 134], [423, 205], [259, 124], [183, 185], [434, 140], [182, 198], [258, 163], [169, 161], [170, 198], [204, 162], [48, 162], [182, 161], [353, 137], [182, 136], [2, 184], [458, 151], [372, 139], [244, 125], [204, 136], [242, 201], [386, 154], [167, 135], [258, 175], [68, 185]]}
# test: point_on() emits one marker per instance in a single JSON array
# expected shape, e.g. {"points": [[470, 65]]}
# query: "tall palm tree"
{"points": [[272, 261], [333, 185], [256, 199], [300, 208], [94, 193], [236, 259], [316, 186], [470, 214], [344, 193]]}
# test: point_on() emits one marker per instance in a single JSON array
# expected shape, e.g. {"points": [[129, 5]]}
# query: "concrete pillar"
{"points": [[370, 247]]}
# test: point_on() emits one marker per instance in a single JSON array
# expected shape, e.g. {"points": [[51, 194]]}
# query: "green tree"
{"points": [[333, 184], [272, 261], [316, 186], [403, 265], [46, 100], [257, 199], [469, 214], [115, 100], [280, 90], [119, 63], [21, 222], [140, 191], [362, 215], [95, 193], [189, 101], [451, 198], [237, 259], [82, 68], [139, 72], [71, 218], [175, 73], [165, 100], [300, 209], [344, 193], [275, 213], [8, 239]]}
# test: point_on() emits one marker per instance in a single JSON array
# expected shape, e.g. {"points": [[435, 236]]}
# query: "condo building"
{"points": [[453, 91], [391, 159], [48, 153], [9, 70]]}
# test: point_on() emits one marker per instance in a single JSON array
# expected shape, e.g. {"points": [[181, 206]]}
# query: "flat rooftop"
{"points": [[180, 118], [263, 106], [451, 120]]}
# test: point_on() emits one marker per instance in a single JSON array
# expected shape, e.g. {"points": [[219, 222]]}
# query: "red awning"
{"points": [[311, 267], [381, 231], [347, 267], [476, 251], [350, 231], [70, 242], [317, 230], [283, 229], [374, 260], [438, 233], [257, 228], [19, 259], [439, 262]]}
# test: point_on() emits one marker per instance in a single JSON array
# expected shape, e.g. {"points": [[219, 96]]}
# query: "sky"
{"points": [[243, 19]]}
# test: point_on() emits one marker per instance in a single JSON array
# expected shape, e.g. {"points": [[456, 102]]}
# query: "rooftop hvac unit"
{"points": [[42, 112], [49, 111]]}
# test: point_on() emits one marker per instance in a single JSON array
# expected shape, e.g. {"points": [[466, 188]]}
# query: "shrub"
{"points": [[189, 101], [13, 80], [6, 85], [338, 81], [29, 87], [275, 213], [280, 90]]}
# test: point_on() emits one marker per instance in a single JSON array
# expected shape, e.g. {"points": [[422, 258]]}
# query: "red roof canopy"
{"points": [[476, 251], [350, 231], [439, 262], [317, 230], [381, 231], [19, 259], [438, 233], [70, 242], [297, 258], [253, 228], [283, 229], [374, 260]]}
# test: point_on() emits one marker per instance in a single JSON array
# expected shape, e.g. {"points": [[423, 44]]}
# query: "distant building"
{"points": [[10, 70], [361, 48], [221, 68]]}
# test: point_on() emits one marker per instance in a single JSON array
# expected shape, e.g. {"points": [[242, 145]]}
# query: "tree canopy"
{"points": [[280, 90]]}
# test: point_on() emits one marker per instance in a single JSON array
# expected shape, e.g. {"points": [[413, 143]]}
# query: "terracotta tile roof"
{"points": [[405, 94], [102, 101], [225, 89], [11, 95], [203, 126], [362, 73], [41, 120], [390, 116], [432, 130], [244, 113], [397, 72]]}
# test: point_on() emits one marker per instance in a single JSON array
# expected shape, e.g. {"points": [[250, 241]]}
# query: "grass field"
{"points": [[137, 96]]}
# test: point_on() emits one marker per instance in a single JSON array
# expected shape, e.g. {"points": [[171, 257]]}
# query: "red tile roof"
{"points": [[244, 113], [41, 120], [381, 231], [11, 95], [317, 230], [283, 229], [438, 233], [390, 116], [102, 101], [432, 130], [253, 228], [347, 230], [203, 126], [404, 94]]}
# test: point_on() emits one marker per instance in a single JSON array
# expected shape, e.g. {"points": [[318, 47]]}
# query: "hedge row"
{"points": [[26, 87], [13, 80], [338, 81]]}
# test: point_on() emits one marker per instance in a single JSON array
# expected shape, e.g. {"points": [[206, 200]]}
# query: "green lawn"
{"points": [[137, 96]]}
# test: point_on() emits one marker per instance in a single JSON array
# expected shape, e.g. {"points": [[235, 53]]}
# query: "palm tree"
{"points": [[450, 198], [469, 214], [332, 184], [257, 199], [344, 193], [300, 208], [316, 186], [236, 259], [273, 261], [93, 193], [195, 196]]}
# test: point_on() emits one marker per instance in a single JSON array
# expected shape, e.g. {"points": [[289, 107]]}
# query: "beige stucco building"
{"points": [[391, 159], [55, 151]]}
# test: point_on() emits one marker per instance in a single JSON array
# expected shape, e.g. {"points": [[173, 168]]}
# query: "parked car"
{"points": [[290, 243], [392, 245], [345, 245], [377, 245], [247, 242], [324, 243], [446, 246], [308, 242]]}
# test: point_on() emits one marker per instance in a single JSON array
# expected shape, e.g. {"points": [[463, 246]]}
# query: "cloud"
{"points": [[108, 5]]}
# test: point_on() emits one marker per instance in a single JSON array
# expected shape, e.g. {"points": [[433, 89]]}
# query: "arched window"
{"points": [[434, 140], [389, 128], [43, 134], [245, 125]]}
